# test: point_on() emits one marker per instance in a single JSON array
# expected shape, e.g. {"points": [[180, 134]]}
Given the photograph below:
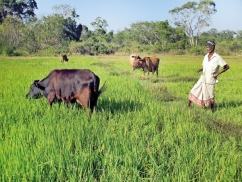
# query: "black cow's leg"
{"points": [[51, 97], [83, 98], [91, 111]]}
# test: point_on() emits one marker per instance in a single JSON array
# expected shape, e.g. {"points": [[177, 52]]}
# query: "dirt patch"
{"points": [[102, 64], [161, 93], [226, 129]]}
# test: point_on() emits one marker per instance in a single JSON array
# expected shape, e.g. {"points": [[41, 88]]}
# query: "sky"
{"points": [[120, 14]]}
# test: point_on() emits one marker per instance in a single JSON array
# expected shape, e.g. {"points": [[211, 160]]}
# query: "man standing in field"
{"points": [[202, 92]]}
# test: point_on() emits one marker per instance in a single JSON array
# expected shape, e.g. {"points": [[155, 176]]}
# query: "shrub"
{"points": [[197, 50], [8, 51], [18, 52], [177, 52]]}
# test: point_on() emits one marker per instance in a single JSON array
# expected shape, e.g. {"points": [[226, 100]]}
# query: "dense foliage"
{"points": [[60, 33], [23, 9]]}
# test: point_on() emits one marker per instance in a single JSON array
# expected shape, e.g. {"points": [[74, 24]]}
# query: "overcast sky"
{"points": [[120, 14]]}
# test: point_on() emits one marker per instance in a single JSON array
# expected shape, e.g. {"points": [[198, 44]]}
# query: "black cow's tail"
{"points": [[98, 91], [96, 83], [102, 88]]}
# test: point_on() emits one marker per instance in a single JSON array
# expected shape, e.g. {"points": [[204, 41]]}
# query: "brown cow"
{"points": [[64, 58], [68, 85], [148, 64], [132, 58]]}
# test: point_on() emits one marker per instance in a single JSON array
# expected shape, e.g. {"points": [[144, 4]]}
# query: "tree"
{"points": [[11, 31], [100, 27], [239, 35], [85, 34], [214, 34], [158, 35], [123, 40], [193, 17], [65, 10], [226, 35], [99, 40], [165, 32], [24, 9], [72, 30], [50, 31], [31, 42], [145, 32]]}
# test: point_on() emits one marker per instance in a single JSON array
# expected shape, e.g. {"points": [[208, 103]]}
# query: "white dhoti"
{"points": [[202, 93]]}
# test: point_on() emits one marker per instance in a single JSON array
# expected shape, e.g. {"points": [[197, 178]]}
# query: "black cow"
{"points": [[68, 85], [64, 58]]}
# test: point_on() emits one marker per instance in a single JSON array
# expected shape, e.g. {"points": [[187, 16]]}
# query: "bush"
{"points": [[21, 53], [48, 51], [197, 50], [8, 51], [177, 52], [77, 48]]}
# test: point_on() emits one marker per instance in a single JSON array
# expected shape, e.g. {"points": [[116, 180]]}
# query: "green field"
{"points": [[141, 129]]}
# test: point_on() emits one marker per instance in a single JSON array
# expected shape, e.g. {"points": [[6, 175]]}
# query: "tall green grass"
{"points": [[141, 129]]}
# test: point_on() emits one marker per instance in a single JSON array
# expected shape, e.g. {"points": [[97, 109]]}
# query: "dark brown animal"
{"points": [[148, 64], [68, 85], [64, 58]]}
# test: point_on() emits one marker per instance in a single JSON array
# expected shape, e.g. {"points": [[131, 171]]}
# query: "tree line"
{"points": [[22, 33]]}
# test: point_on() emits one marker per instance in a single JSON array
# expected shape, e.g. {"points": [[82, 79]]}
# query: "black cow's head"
{"points": [[35, 91]]}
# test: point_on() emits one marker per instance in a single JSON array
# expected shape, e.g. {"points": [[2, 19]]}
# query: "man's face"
{"points": [[209, 49]]}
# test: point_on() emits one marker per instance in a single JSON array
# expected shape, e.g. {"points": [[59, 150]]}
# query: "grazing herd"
{"points": [[81, 85]]}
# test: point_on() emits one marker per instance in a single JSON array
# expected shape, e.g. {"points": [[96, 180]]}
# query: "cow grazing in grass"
{"points": [[148, 64], [132, 58], [68, 85], [64, 58]]}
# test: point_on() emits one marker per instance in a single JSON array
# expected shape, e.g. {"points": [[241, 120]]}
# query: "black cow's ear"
{"points": [[40, 86], [35, 82]]}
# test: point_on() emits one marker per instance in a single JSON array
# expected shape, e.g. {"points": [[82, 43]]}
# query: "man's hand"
{"points": [[199, 70], [215, 75], [225, 68]]}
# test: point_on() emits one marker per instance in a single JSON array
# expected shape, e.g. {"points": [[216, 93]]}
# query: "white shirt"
{"points": [[210, 67]]}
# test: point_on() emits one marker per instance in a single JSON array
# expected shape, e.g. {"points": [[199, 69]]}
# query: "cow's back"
{"points": [[67, 84], [73, 75], [155, 61]]}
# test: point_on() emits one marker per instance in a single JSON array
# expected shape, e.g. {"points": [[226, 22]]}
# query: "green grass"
{"points": [[141, 129]]}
